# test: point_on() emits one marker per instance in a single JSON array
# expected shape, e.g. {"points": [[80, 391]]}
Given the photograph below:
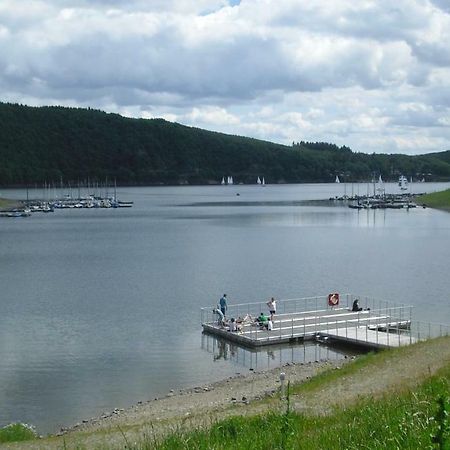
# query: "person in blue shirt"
{"points": [[223, 304]]}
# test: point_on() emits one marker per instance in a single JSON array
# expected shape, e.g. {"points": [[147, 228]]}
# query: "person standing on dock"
{"points": [[272, 304], [223, 304]]}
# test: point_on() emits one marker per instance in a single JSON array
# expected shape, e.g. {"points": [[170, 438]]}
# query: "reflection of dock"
{"points": [[378, 325], [266, 358]]}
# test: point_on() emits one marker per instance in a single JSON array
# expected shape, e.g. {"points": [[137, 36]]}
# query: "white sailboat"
{"points": [[223, 180], [263, 182], [403, 183], [380, 185], [230, 180], [258, 181], [337, 180]]}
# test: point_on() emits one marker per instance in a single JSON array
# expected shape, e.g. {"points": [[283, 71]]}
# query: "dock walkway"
{"points": [[379, 325]]}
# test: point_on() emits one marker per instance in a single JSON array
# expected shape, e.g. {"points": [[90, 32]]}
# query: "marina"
{"points": [[378, 324], [52, 198]]}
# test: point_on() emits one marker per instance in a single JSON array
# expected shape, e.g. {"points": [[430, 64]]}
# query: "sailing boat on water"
{"points": [[223, 180], [380, 185], [230, 180], [403, 182], [258, 181], [263, 182], [337, 180]]}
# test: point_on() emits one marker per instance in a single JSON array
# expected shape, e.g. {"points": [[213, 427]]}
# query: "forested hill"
{"points": [[49, 144]]}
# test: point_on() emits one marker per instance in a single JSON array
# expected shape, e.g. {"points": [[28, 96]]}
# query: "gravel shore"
{"points": [[229, 394], [239, 395], [184, 409]]}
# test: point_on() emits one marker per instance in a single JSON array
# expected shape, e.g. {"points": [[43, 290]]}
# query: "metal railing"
{"points": [[387, 325], [296, 306]]}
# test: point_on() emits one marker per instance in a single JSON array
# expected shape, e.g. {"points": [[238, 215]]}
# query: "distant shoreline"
{"points": [[8, 204], [438, 200]]}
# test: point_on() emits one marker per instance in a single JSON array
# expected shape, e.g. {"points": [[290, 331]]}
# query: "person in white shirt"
{"points": [[272, 304]]}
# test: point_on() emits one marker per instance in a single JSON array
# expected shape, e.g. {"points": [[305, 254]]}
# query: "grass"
{"points": [[16, 432], [439, 200], [7, 204], [329, 376], [407, 416], [416, 419]]}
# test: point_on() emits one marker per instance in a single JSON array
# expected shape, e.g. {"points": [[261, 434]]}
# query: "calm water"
{"points": [[100, 308]]}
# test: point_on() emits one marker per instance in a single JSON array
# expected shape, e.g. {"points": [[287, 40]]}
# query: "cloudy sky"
{"points": [[370, 74]]}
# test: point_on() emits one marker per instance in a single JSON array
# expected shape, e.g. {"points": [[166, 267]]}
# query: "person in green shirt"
{"points": [[262, 319]]}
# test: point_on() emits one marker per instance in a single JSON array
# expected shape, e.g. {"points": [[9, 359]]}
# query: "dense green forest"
{"points": [[50, 144]]}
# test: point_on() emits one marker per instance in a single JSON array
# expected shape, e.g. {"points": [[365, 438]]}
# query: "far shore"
{"points": [[437, 200], [8, 204]]}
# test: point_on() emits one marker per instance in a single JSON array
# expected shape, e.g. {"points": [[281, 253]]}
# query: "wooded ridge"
{"points": [[51, 144]]}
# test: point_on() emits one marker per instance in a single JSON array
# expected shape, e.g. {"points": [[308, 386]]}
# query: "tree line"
{"points": [[50, 144]]}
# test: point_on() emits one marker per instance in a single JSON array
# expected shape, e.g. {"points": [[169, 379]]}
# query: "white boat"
{"points": [[258, 181], [337, 180], [223, 180], [380, 185], [230, 180], [403, 183], [263, 182]]}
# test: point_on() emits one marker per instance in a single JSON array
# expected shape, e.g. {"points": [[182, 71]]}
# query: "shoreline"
{"points": [[392, 371], [201, 404]]}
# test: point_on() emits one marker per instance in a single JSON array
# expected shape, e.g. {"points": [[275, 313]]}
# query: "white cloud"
{"points": [[338, 71], [211, 115]]}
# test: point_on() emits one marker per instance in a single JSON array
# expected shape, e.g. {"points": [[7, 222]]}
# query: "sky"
{"points": [[372, 75]]}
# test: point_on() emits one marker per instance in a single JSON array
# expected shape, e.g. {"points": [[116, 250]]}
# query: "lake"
{"points": [[100, 308]]}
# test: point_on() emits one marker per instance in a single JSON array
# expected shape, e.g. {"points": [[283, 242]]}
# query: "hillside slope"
{"points": [[56, 144]]}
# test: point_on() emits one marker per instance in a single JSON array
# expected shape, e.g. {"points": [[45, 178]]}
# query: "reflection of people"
{"points": [[223, 350], [272, 304], [356, 306], [223, 304]]}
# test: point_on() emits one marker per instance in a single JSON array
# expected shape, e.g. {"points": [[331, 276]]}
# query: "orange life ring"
{"points": [[333, 299]]}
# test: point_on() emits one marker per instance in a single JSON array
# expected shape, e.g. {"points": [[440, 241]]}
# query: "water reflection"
{"points": [[265, 358]]}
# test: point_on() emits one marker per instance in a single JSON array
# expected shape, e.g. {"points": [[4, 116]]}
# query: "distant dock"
{"points": [[380, 324]]}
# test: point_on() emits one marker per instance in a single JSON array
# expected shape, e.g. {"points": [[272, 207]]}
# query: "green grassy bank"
{"points": [[440, 200], [400, 399], [416, 418], [7, 204], [413, 420]]}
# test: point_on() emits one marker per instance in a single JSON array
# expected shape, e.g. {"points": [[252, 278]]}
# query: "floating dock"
{"points": [[379, 324]]}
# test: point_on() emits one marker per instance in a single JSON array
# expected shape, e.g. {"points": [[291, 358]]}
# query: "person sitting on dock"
{"points": [[262, 320], [233, 325], [356, 307]]}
